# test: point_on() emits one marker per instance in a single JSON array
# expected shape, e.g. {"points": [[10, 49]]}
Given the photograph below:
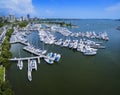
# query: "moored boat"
{"points": [[90, 53], [29, 71], [20, 64], [51, 57], [33, 64]]}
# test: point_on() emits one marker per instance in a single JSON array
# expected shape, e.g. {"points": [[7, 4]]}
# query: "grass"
{"points": [[2, 73]]}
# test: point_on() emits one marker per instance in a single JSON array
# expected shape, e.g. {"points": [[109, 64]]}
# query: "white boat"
{"points": [[66, 43], [90, 53], [49, 61], [33, 64], [59, 42], [44, 51], [104, 36], [29, 76], [46, 37], [57, 58], [91, 49], [75, 44], [71, 45], [49, 58], [29, 71], [20, 64]]}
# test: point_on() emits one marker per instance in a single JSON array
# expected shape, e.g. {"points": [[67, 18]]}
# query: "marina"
{"points": [[32, 64], [83, 45], [76, 68], [59, 47]]}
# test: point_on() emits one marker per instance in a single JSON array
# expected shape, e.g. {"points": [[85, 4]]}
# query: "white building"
{"points": [[11, 18]]}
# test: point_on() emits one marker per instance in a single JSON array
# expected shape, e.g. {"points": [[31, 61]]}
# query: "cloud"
{"points": [[114, 8], [18, 7]]}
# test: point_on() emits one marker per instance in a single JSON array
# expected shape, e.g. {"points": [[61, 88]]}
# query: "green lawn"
{"points": [[2, 72]]}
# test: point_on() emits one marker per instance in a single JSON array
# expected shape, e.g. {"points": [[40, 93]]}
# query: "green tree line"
{"points": [[5, 88], [22, 24], [5, 54]]}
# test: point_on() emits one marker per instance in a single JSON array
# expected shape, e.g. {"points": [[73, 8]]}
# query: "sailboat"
{"points": [[20, 63]]}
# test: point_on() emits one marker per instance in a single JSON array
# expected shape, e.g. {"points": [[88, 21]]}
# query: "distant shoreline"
{"points": [[77, 19]]}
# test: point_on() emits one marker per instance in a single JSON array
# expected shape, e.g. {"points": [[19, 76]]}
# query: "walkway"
{"points": [[26, 58]]}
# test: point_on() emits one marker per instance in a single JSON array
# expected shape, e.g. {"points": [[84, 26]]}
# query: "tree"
{"points": [[5, 53], [23, 24], [5, 88], [8, 91]]}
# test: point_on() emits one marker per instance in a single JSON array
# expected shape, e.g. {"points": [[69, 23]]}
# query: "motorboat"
{"points": [[29, 76], [57, 58], [33, 64], [20, 64], [90, 53], [49, 58], [29, 71]]}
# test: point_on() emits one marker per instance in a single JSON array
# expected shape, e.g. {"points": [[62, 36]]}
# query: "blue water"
{"points": [[74, 74]]}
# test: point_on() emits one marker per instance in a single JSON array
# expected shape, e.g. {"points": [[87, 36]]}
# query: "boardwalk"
{"points": [[26, 58], [24, 43], [32, 51], [29, 58]]}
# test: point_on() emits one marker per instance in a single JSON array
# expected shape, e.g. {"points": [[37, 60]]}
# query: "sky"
{"points": [[108, 9]]}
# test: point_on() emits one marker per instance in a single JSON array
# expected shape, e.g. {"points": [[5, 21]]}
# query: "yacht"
{"points": [[49, 61], [33, 64], [20, 64], [71, 45], [29, 76], [90, 53], [57, 58], [58, 42], [29, 71], [49, 58], [66, 43], [75, 44]]}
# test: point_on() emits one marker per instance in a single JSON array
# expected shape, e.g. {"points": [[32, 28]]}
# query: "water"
{"points": [[74, 74]]}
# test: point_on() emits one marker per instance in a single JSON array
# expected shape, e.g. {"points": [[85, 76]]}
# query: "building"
{"points": [[11, 18], [28, 17], [22, 18], [4, 18], [35, 19]]}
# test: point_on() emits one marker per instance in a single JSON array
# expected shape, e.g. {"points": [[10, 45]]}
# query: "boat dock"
{"points": [[26, 58], [24, 43], [30, 58], [32, 51]]}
